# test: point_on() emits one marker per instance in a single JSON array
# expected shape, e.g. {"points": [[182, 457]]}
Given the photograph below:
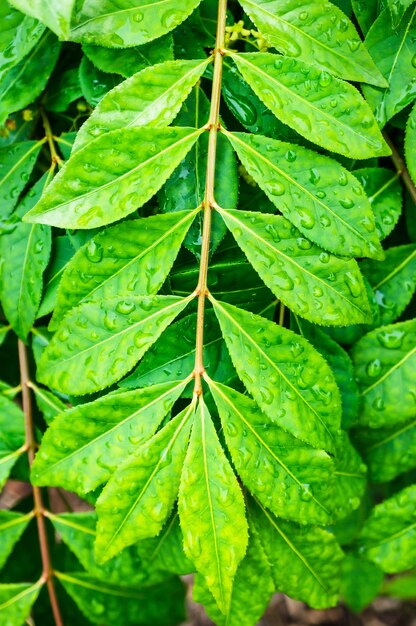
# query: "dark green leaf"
{"points": [[361, 582], [16, 165], [18, 34], [12, 526], [383, 189], [12, 436], [94, 83]]}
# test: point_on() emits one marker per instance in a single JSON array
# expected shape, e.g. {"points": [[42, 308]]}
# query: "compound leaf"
{"points": [[320, 107], [99, 23], [150, 98], [384, 362], [317, 285], [112, 176], [211, 510], [388, 536], [317, 32], [86, 444], [133, 257], [330, 208], [151, 478], [287, 377]]}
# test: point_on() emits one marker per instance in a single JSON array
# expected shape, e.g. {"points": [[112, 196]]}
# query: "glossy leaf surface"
{"points": [[130, 166], [301, 96], [297, 388], [410, 144], [57, 16], [16, 600], [12, 526], [315, 284], [16, 165], [18, 35], [99, 435], [211, 510], [12, 436]]}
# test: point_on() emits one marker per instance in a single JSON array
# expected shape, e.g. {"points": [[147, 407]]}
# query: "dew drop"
{"points": [[373, 368], [94, 252]]}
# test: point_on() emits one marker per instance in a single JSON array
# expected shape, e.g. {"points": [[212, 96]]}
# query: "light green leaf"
{"points": [[12, 526], [25, 252], [56, 16], [77, 531], [316, 32], [361, 582], [18, 34], [252, 589], [101, 23], [161, 605], [211, 510], [317, 285], [402, 587], [25, 81], [86, 444], [286, 376], [330, 208], [384, 362], [367, 12], [384, 192], [398, 9], [388, 535], [393, 51], [128, 61], [3, 332], [62, 252], [12, 436], [305, 560], [289, 477], [393, 280], [94, 83], [16, 600], [48, 404], [150, 98], [320, 107], [16, 165], [410, 144], [133, 257], [388, 451], [112, 176], [151, 478]]}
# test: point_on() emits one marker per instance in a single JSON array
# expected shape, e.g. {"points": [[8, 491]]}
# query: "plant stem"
{"points": [[209, 202], [39, 509], [401, 168], [50, 138]]}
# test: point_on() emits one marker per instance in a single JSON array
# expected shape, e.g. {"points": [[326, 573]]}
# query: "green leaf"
{"points": [[56, 16], [410, 144], [383, 189], [186, 186], [12, 436], [367, 12], [305, 560], [128, 61], [289, 477], [398, 9], [62, 252], [384, 362], [77, 531], [25, 252], [388, 451], [102, 24], [23, 82], [393, 280], [86, 444], [64, 89], [152, 477], [252, 589], [3, 333], [316, 32], [94, 83], [330, 207], [402, 587], [286, 376], [150, 98], [16, 165], [299, 95], [393, 51], [16, 600], [361, 582], [18, 34], [350, 477], [133, 257], [341, 366], [161, 605], [211, 510], [388, 535], [48, 404], [12, 526], [317, 285], [125, 167]]}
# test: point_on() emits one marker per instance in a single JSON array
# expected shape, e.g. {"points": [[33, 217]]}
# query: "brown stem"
{"points": [[39, 509], [49, 136], [209, 197], [401, 168]]}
